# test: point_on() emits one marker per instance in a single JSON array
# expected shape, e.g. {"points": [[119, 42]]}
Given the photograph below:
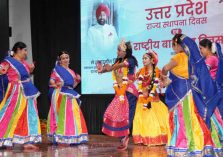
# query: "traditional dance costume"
{"points": [[219, 76], [188, 133], [66, 123], [215, 65], [19, 121], [119, 115], [150, 122]]}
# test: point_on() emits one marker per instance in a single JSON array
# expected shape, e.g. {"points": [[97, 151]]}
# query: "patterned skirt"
{"points": [[19, 121], [217, 124], [116, 118], [188, 135], [66, 123]]}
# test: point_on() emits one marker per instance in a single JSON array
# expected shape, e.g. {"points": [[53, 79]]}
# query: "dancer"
{"points": [[19, 121], [118, 117], [214, 61], [65, 124], [188, 134], [150, 121]]}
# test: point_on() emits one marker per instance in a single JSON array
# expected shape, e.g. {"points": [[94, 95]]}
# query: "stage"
{"points": [[98, 146]]}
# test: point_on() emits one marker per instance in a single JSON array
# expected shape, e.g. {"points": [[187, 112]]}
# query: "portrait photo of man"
{"points": [[102, 37]]}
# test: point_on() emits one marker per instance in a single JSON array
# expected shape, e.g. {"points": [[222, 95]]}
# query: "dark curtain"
{"points": [[4, 28], [55, 26]]}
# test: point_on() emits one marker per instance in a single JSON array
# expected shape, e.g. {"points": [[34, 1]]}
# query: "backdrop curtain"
{"points": [[4, 28]]}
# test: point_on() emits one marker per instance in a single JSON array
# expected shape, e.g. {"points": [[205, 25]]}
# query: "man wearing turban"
{"points": [[102, 37]]}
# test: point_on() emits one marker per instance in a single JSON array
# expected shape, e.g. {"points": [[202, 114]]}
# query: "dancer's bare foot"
{"points": [[124, 143], [30, 147], [121, 147]]}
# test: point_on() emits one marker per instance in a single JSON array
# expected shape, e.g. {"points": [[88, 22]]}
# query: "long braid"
{"points": [[151, 84]]}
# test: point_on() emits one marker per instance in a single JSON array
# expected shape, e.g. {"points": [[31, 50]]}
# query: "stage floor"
{"points": [[98, 146]]}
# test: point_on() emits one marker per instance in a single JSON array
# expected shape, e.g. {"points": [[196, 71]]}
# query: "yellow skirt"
{"points": [[150, 125]]}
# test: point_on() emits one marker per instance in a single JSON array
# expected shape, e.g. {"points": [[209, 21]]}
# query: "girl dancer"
{"points": [[118, 117], [150, 121]]}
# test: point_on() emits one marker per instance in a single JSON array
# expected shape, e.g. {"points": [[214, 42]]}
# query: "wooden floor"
{"points": [[98, 146]]}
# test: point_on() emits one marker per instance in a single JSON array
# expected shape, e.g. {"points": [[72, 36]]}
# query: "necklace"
{"points": [[120, 89], [154, 80]]}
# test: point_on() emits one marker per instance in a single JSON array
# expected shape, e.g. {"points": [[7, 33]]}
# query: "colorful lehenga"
{"points": [[150, 124], [66, 123], [118, 117], [187, 101], [19, 121]]}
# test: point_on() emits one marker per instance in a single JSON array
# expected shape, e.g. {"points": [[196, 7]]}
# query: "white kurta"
{"points": [[102, 39]]}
